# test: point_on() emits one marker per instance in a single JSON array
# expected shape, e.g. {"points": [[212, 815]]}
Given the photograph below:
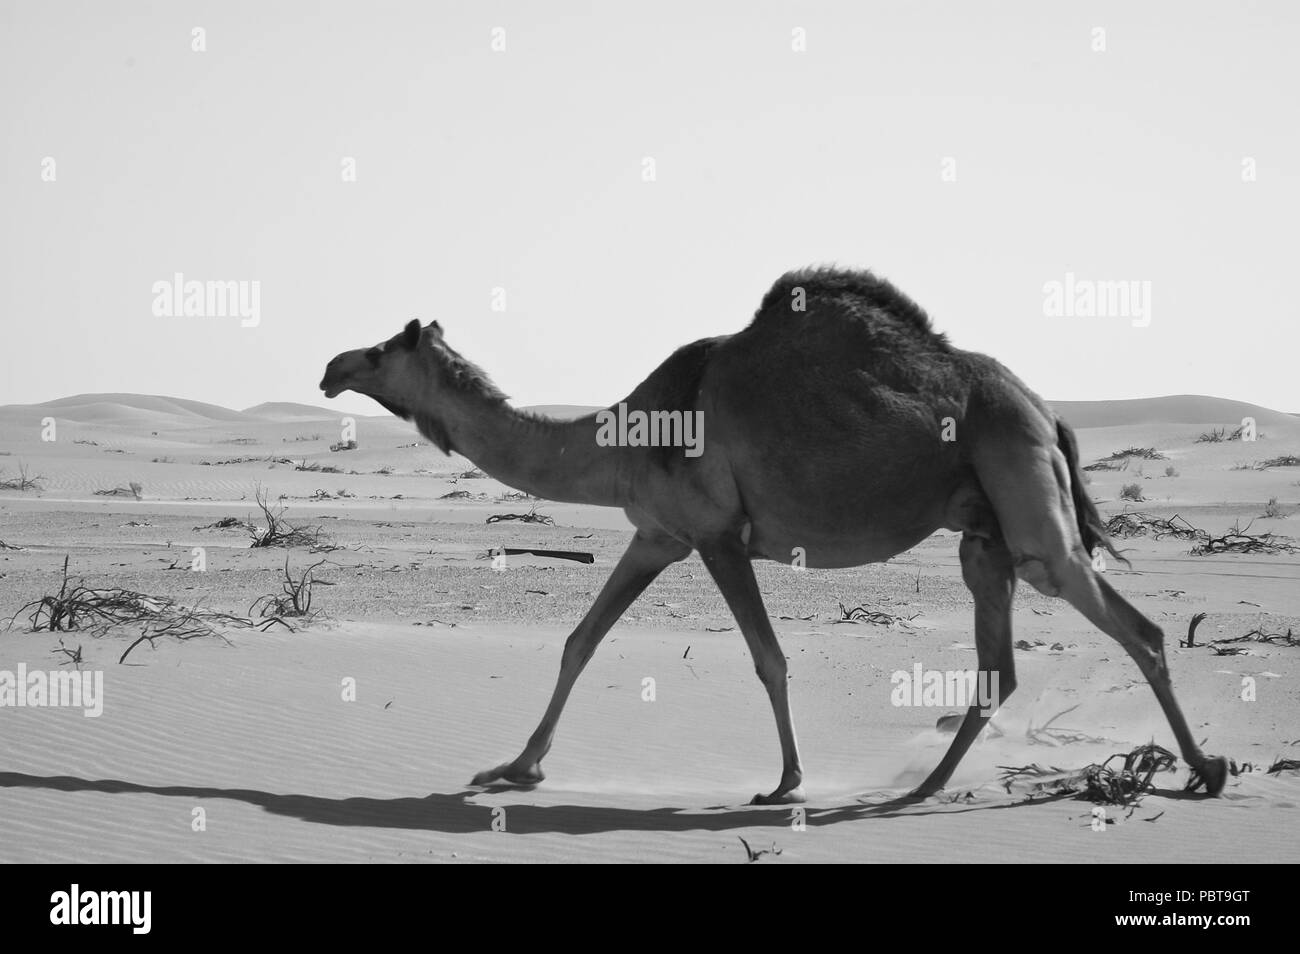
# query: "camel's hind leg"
{"points": [[731, 569], [1030, 491], [643, 560], [987, 569], [1143, 640]]}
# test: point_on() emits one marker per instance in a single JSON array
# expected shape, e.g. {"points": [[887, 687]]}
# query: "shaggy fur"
{"points": [[856, 291]]}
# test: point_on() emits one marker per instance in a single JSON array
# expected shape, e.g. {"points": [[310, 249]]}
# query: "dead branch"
{"points": [[24, 481], [133, 489], [280, 532], [861, 614], [531, 517], [1046, 735], [1134, 523], [77, 607], [294, 600], [1099, 783], [1195, 621], [1239, 540]]}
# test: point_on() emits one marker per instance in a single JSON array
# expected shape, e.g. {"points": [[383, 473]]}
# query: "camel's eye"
{"points": [[373, 356]]}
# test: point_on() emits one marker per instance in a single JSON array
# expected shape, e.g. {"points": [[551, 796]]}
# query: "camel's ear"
{"points": [[435, 328], [411, 335]]}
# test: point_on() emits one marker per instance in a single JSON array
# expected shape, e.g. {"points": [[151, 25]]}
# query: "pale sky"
{"points": [[523, 169]]}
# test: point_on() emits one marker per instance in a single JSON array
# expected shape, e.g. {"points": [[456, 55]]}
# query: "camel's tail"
{"points": [[1091, 528]]}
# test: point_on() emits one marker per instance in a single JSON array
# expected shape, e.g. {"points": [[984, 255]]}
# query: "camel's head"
{"points": [[394, 372]]}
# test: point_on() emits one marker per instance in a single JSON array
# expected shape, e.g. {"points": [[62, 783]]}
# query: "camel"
{"points": [[839, 425]]}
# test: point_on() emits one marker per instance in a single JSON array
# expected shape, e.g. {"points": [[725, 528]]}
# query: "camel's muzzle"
{"points": [[335, 381]]}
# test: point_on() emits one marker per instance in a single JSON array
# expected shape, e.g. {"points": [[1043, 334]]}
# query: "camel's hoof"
{"points": [[510, 774], [793, 797], [1214, 773]]}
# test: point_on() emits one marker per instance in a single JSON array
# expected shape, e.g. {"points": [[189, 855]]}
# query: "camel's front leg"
{"points": [[734, 574], [643, 560]]}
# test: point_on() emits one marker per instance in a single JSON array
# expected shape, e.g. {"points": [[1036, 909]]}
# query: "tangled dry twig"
{"points": [[1099, 782], [531, 517], [1240, 540], [861, 614]]}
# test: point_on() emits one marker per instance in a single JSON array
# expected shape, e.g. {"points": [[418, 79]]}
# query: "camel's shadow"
{"points": [[458, 813]]}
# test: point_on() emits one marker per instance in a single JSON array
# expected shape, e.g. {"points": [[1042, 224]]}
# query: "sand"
{"points": [[354, 738]]}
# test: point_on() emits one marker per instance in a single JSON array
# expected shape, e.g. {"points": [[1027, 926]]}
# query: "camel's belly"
{"points": [[865, 516], [855, 546]]}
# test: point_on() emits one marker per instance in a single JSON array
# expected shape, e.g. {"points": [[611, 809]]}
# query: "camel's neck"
{"points": [[554, 460]]}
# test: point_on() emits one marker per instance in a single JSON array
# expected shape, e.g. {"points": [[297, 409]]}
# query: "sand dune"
{"points": [[288, 411], [1184, 409], [1195, 410], [563, 412], [101, 408]]}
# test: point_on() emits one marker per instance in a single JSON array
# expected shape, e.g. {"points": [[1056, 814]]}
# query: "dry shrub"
{"points": [[1145, 453], [279, 532], [294, 599], [24, 480], [1132, 492], [1100, 783]]}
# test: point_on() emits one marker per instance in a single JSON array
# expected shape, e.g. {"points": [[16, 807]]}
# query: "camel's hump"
{"points": [[855, 292]]}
